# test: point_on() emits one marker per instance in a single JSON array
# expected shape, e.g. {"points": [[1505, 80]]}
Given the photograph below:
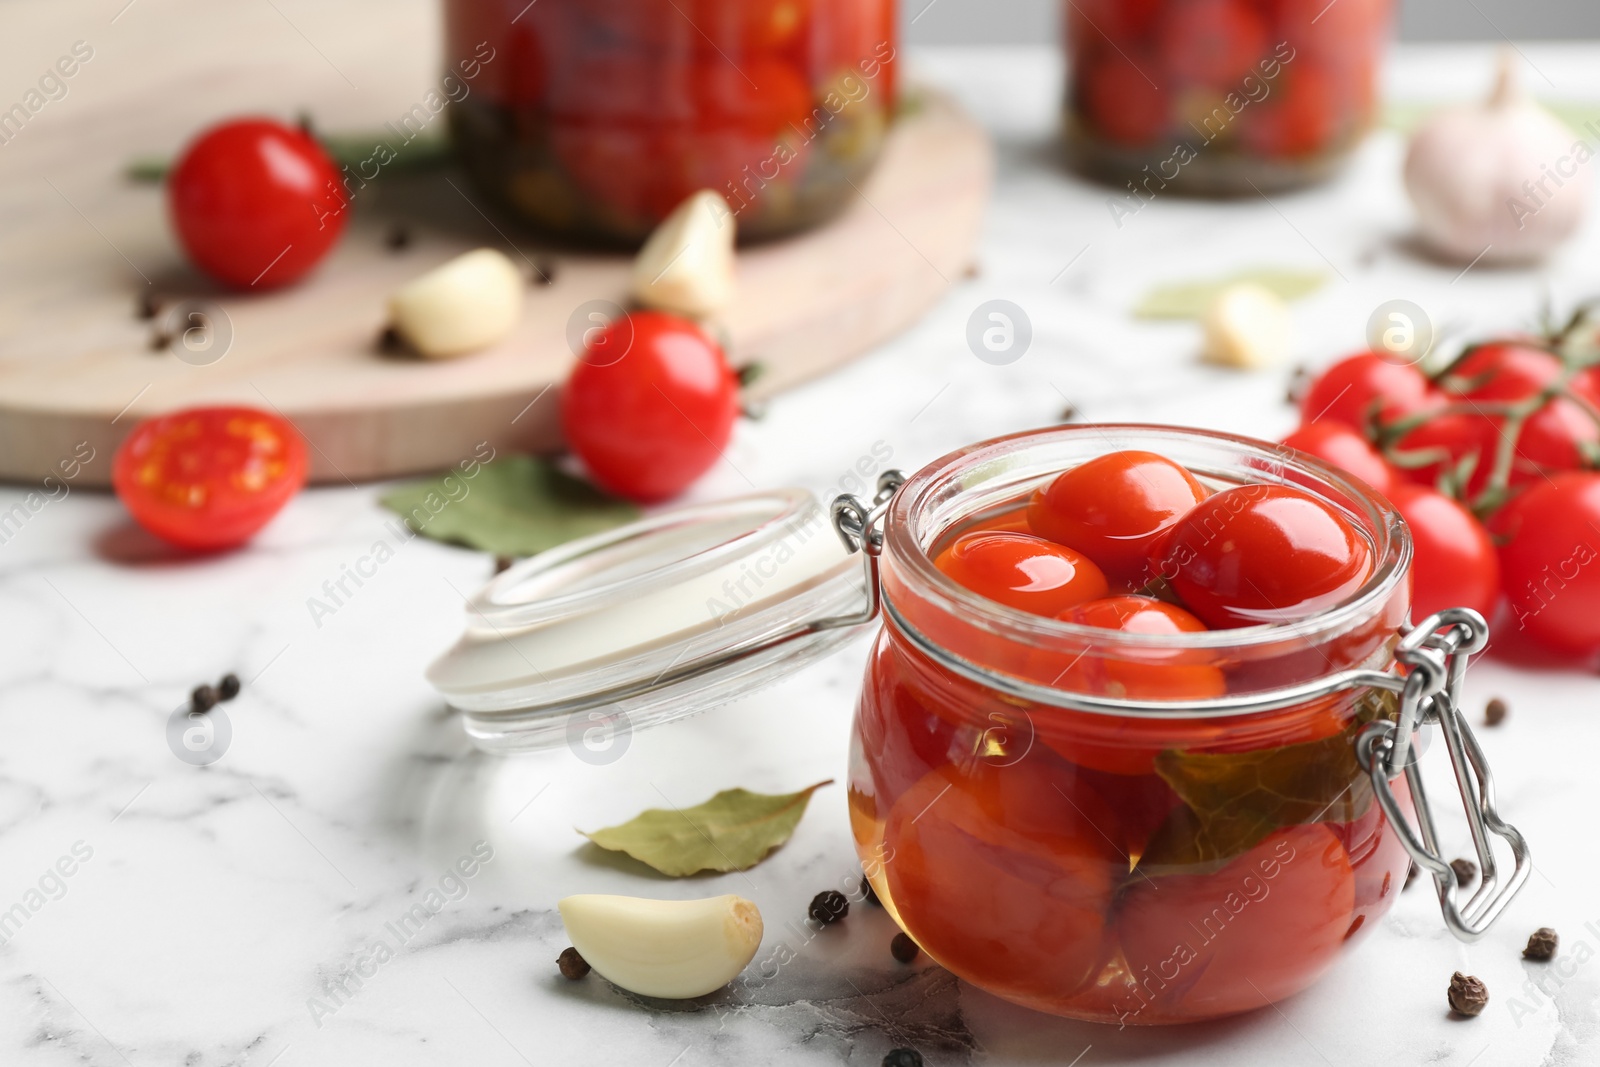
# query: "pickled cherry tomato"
{"points": [[1021, 571], [1136, 674], [1114, 507], [1004, 880], [1262, 927], [1212, 42], [1262, 554]]}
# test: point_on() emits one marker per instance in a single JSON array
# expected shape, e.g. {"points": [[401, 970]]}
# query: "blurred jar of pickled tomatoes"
{"points": [[1219, 97], [595, 118]]}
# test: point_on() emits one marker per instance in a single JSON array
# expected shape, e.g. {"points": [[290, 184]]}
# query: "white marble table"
{"points": [[209, 908]]}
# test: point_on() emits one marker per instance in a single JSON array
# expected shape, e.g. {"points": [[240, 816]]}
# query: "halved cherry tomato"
{"points": [[650, 406], [1455, 564], [1550, 560], [209, 478], [256, 203], [1021, 571], [1114, 507], [1262, 927], [1262, 553], [1362, 386], [1342, 446]]}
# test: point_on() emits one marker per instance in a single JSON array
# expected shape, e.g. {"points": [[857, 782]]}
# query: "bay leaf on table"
{"points": [[1189, 299], [513, 506], [732, 831]]}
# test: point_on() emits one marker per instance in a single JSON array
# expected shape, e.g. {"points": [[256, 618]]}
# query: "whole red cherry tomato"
{"points": [[1122, 103], [1022, 571], [1114, 507], [1141, 674], [650, 406], [1550, 560], [1213, 42], [209, 478], [1220, 935], [1503, 370], [1442, 444], [1455, 564], [1340, 445], [1358, 387], [1262, 553], [256, 203]]}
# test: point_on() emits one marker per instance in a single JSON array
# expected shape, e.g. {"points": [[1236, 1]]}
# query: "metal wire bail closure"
{"points": [[1433, 657], [1436, 652]]}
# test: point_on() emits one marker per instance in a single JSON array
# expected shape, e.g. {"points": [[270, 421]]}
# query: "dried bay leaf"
{"points": [[1233, 800], [732, 831], [513, 506]]}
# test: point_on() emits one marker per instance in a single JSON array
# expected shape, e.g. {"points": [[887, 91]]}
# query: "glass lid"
{"points": [[671, 615]]}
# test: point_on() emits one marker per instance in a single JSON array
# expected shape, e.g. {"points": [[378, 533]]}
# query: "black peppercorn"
{"points": [[229, 687], [149, 306], [398, 239], [903, 948], [1541, 944], [1494, 713], [573, 966], [903, 1057], [829, 906], [203, 699], [160, 340], [1467, 995], [503, 563], [1411, 876], [390, 342], [544, 271], [1465, 870], [869, 894], [1069, 413]]}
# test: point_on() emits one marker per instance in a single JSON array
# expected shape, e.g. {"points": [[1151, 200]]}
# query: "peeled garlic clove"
{"points": [[466, 304], [1247, 326], [686, 267], [674, 949], [1504, 181]]}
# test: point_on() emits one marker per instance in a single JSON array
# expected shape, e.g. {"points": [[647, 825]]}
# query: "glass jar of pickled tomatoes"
{"points": [[1125, 781], [1219, 97], [1138, 737], [595, 118]]}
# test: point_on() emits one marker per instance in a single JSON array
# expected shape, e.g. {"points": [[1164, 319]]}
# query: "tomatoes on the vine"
{"points": [[209, 478], [1262, 554], [1503, 370], [1022, 571], [1336, 443], [1454, 565], [1366, 387], [1550, 557], [650, 405], [1113, 508], [256, 203]]}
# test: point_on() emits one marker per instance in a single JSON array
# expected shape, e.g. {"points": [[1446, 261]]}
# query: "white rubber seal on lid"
{"points": [[638, 625]]}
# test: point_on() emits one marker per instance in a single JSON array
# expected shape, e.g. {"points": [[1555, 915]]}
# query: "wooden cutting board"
{"points": [[85, 245]]}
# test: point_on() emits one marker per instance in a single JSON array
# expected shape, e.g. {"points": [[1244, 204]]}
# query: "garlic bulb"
{"points": [[686, 267], [1247, 326], [674, 949], [1504, 180], [466, 304]]}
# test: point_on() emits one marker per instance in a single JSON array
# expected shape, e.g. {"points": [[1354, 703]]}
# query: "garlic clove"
{"points": [[1247, 326], [673, 949], [1504, 181], [469, 303], [686, 267]]}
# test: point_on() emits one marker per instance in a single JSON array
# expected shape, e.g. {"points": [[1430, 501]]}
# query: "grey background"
{"points": [[1013, 21]]}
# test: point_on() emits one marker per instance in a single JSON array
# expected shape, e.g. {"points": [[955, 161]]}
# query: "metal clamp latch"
{"points": [[1436, 652]]}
